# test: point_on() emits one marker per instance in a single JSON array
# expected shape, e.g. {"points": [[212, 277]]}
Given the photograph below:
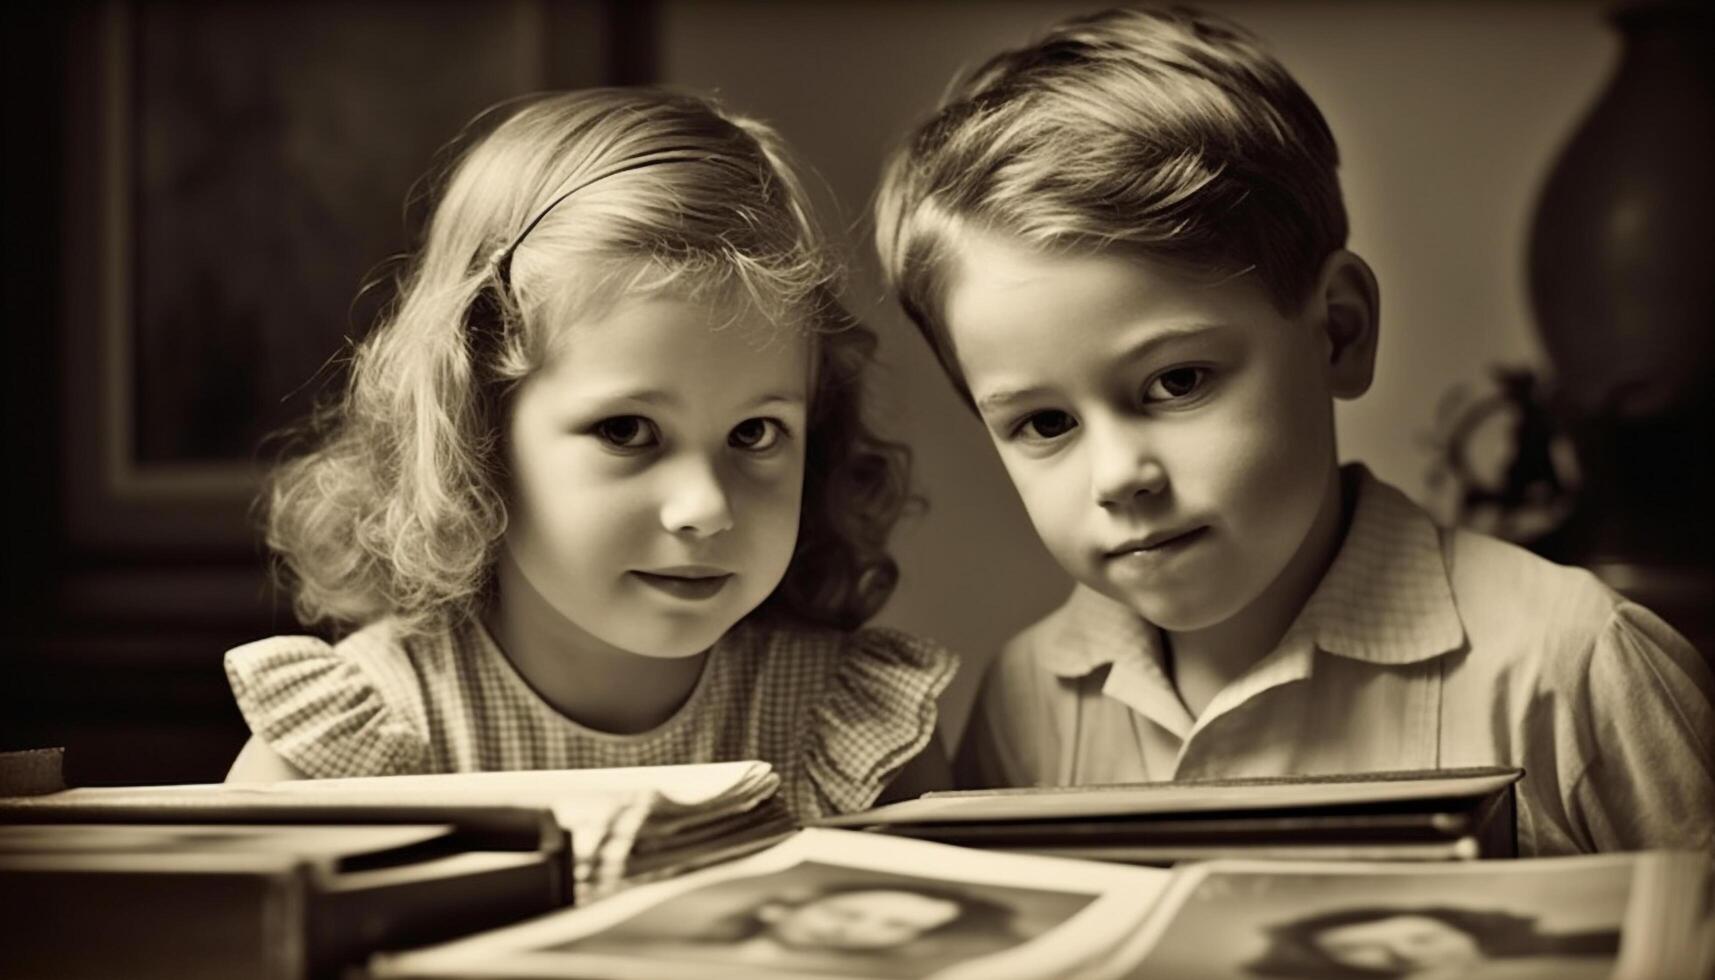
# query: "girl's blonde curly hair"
{"points": [[398, 507]]}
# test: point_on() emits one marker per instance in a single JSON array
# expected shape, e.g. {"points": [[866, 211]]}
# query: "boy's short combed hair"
{"points": [[398, 505], [1169, 134]]}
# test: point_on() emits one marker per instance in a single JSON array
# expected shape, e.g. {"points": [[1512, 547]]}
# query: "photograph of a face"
{"points": [[835, 920], [1507, 922], [828, 903]]}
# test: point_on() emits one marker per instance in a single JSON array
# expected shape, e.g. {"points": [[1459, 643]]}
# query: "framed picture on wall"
{"points": [[244, 180]]}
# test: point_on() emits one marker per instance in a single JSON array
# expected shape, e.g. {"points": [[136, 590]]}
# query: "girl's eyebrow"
{"points": [[788, 399], [1004, 397], [649, 396], [658, 396]]}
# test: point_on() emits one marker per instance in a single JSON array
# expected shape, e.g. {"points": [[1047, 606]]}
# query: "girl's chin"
{"points": [[673, 643]]}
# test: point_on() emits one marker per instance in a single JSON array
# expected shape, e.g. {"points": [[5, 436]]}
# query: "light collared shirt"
{"points": [[1421, 648]]}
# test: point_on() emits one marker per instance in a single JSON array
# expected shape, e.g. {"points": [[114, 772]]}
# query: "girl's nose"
{"points": [[1123, 464], [694, 501]]}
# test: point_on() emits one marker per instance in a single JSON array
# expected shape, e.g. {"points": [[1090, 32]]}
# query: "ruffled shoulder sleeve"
{"points": [[351, 710], [876, 714]]}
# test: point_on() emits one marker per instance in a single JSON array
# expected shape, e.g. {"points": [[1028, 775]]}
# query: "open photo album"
{"points": [[831, 903]]}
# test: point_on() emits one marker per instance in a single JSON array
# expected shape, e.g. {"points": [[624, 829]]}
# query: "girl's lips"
{"points": [[686, 586]]}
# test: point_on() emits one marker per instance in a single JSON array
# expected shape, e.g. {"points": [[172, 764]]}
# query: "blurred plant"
{"points": [[1503, 464]]}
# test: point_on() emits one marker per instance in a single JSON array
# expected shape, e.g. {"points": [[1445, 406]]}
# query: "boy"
{"points": [[1125, 244]]}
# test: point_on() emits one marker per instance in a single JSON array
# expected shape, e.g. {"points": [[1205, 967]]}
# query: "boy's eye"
{"points": [[626, 432], [756, 435], [1175, 383], [1047, 425]]}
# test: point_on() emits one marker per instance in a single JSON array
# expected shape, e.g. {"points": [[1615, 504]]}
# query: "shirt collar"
{"points": [[1386, 599], [1094, 631]]}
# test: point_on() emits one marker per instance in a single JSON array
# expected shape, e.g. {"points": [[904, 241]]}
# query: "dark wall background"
{"points": [[131, 692]]}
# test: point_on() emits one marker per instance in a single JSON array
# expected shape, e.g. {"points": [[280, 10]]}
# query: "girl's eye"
{"points": [[756, 435], [1175, 383], [1046, 426], [626, 432]]}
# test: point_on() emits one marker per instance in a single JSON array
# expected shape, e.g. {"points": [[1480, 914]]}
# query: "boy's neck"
{"points": [[590, 682], [1203, 662]]}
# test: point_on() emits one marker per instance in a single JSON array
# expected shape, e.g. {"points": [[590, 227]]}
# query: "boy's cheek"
{"points": [[1056, 503], [1255, 476], [1276, 433], [1036, 480]]}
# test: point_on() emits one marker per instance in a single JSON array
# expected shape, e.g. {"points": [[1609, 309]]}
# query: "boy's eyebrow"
{"points": [[1137, 352], [1007, 396]]}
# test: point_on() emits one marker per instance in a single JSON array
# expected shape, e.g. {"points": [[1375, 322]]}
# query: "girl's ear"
{"points": [[1348, 303]]}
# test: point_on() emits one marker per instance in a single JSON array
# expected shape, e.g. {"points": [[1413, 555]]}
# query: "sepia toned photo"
{"points": [[960, 489], [829, 903], [838, 921], [1475, 921]]}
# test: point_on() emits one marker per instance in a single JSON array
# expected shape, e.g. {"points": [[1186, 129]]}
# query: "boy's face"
{"points": [[1172, 440], [657, 468]]}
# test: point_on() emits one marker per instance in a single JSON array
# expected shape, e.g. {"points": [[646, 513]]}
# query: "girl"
{"points": [[599, 492]]}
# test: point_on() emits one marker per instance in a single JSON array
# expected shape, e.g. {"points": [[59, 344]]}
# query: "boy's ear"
{"points": [[1348, 303]]}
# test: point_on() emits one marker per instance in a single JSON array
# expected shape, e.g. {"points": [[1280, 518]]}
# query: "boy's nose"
{"points": [[1122, 467], [1145, 478], [695, 501]]}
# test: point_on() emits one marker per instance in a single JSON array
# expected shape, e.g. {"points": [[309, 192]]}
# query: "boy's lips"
{"points": [[1157, 543]]}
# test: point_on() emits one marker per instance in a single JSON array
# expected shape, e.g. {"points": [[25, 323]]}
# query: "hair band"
{"points": [[502, 261]]}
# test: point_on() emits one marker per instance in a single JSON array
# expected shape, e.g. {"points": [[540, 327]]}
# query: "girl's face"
{"points": [[880, 918], [1401, 943], [657, 467]]}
